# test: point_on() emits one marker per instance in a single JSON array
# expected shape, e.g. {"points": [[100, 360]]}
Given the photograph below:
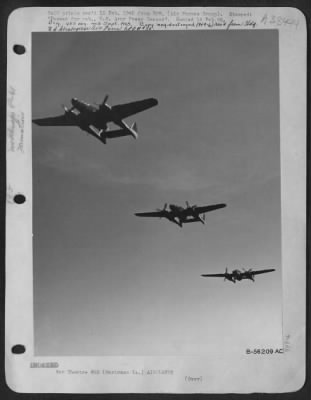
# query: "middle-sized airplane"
{"points": [[182, 215], [94, 119], [237, 275]]}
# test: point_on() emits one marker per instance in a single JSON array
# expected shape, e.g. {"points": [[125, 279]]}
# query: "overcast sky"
{"points": [[107, 282]]}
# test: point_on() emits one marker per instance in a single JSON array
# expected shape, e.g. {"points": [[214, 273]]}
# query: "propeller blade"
{"points": [[105, 99], [187, 204], [65, 108]]}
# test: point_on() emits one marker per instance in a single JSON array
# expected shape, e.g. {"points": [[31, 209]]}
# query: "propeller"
{"points": [[103, 102], [229, 276]]}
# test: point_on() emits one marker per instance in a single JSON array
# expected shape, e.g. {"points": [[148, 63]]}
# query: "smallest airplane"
{"points": [[237, 275], [182, 215]]}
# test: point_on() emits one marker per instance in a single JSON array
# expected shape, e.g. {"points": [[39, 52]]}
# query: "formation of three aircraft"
{"points": [[94, 120]]}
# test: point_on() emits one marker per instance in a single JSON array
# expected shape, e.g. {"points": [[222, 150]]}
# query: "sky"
{"points": [[109, 283]]}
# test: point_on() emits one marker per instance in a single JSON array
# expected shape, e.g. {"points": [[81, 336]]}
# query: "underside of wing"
{"points": [[214, 275], [150, 214], [213, 207], [125, 110], [60, 120], [189, 221], [262, 271]]}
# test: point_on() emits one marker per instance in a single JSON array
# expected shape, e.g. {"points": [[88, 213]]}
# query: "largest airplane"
{"points": [[94, 119]]}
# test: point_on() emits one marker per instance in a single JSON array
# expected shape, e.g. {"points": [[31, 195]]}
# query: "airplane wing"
{"points": [[213, 207], [262, 271], [151, 214], [122, 132], [60, 120], [214, 275], [125, 110]]}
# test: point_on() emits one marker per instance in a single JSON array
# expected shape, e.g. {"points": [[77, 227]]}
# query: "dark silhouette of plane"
{"points": [[237, 275], [182, 215], [94, 119]]}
